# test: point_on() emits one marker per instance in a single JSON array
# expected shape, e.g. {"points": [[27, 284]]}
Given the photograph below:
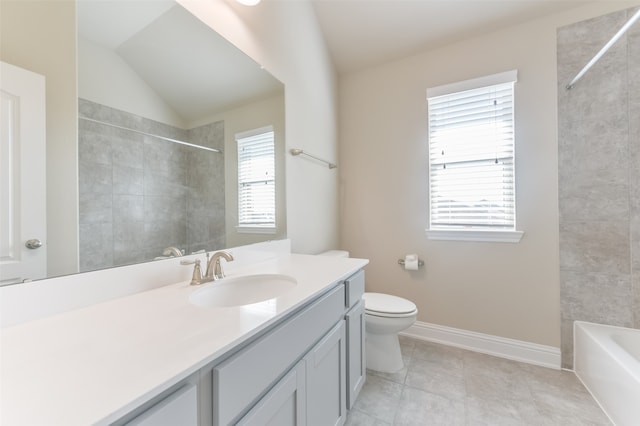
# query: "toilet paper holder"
{"points": [[401, 262]]}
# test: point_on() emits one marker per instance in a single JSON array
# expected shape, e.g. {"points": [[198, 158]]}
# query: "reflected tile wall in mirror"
{"points": [[140, 194]]}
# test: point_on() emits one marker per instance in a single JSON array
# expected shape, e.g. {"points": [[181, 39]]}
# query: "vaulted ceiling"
{"points": [[361, 33]]}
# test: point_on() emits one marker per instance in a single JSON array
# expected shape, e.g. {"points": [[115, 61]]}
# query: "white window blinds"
{"points": [[471, 154], [256, 178]]}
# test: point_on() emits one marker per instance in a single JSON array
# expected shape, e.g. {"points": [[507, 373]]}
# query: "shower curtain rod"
{"points": [[152, 135], [606, 47]]}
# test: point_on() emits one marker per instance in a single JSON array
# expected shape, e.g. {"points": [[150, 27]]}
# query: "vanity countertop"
{"points": [[95, 364]]}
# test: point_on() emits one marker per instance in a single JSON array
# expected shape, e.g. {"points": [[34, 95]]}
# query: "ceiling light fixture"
{"points": [[248, 2]]}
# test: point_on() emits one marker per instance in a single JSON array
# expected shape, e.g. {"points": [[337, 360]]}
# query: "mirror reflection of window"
{"points": [[256, 181]]}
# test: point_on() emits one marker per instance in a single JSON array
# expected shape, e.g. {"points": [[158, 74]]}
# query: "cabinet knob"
{"points": [[33, 244]]}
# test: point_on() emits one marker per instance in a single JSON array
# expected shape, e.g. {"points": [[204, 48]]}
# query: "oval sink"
{"points": [[242, 290]]}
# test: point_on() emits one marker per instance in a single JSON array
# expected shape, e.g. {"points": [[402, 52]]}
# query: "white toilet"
{"points": [[385, 317]]}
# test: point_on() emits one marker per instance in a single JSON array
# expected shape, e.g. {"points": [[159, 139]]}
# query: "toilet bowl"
{"points": [[385, 317]]}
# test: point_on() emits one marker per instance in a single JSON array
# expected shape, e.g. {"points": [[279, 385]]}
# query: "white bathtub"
{"points": [[607, 361]]}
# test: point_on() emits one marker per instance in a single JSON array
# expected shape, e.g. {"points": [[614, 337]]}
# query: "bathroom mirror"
{"points": [[150, 76]]}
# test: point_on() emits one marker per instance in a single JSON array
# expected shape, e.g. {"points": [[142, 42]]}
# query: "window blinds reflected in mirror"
{"points": [[256, 180]]}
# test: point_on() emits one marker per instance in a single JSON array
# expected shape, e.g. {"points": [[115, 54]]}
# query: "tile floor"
{"points": [[442, 385]]}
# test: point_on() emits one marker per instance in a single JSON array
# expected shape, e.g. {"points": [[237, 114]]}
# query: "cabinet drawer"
{"points": [[354, 286], [239, 381], [179, 408]]}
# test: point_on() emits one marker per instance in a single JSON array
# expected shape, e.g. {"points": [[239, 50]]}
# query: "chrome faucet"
{"points": [[214, 267]]}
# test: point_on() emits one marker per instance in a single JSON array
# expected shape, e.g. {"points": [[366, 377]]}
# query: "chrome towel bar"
{"points": [[297, 151]]}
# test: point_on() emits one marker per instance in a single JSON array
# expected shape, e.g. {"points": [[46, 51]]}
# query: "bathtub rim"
{"points": [[620, 409], [620, 354]]}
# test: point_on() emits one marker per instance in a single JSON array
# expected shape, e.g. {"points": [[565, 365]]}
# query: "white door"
{"points": [[23, 226]]}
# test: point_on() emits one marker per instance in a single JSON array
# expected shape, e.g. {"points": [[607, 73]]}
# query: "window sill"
{"points": [[475, 235], [255, 230]]}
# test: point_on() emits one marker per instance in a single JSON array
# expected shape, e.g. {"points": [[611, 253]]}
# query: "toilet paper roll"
{"points": [[411, 262]]}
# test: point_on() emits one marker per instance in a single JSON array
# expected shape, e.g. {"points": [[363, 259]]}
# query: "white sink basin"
{"points": [[242, 290]]}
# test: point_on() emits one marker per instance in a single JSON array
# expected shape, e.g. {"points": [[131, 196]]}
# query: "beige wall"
{"points": [[40, 36], [502, 289], [284, 36]]}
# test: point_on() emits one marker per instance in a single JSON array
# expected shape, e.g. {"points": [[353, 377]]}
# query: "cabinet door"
{"points": [[326, 379], [283, 405], [356, 365]]}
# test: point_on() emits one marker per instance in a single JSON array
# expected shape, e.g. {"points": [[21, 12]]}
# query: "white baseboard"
{"points": [[517, 350]]}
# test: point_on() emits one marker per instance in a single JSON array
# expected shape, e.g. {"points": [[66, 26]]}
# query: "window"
{"points": [[471, 160], [256, 181]]}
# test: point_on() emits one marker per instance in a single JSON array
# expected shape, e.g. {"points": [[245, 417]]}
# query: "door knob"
{"points": [[33, 244]]}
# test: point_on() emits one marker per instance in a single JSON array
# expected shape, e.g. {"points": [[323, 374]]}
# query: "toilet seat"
{"points": [[386, 305]]}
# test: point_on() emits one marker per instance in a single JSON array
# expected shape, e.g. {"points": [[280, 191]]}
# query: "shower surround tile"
{"points": [[599, 177], [577, 43], [600, 298], [636, 300], [595, 247], [597, 145]]}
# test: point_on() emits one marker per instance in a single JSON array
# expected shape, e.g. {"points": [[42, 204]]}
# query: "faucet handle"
{"points": [[196, 278]]}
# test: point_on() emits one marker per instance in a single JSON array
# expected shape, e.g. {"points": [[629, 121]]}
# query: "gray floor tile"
{"points": [[513, 411], [379, 398], [420, 408], [442, 385], [446, 379], [398, 377], [358, 418]]}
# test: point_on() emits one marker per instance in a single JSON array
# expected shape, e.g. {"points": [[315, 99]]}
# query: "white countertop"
{"points": [[95, 364]]}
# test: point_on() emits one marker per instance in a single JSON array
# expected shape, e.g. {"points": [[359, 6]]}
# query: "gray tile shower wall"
{"points": [[140, 194], [599, 176]]}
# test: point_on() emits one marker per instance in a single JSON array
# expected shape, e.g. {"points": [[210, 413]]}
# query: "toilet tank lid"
{"points": [[336, 253], [387, 303]]}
